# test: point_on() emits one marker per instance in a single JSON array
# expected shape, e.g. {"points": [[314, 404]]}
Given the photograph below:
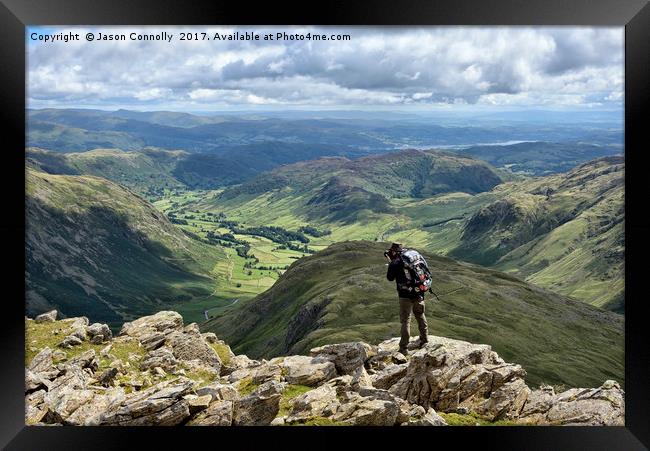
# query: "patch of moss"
{"points": [[246, 386], [291, 392], [223, 351], [201, 376], [473, 419]]}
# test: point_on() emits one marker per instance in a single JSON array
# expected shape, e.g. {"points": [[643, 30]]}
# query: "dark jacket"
{"points": [[396, 273]]}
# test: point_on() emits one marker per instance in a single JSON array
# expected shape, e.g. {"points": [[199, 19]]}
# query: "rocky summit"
{"points": [[159, 371]]}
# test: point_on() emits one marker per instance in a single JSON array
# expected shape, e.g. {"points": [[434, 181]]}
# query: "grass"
{"points": [[473, 419], [246, 386], [291, 391], [223, 351]]}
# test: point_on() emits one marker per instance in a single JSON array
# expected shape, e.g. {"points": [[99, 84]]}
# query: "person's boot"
{"points": [[403, 351], [422, 343]]}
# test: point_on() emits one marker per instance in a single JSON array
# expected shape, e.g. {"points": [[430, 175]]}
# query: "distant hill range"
{"points": [[354, 134], [339, 189], [341, 295], [540, 157]]}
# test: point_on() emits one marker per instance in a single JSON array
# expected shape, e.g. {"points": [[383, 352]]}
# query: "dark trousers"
{"points": [[416, 306]]}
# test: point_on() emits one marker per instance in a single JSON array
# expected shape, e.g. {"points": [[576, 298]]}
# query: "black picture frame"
{"points": [[634, 15]]}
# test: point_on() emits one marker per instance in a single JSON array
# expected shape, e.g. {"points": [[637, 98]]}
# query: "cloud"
{"points": [[410, 66]]}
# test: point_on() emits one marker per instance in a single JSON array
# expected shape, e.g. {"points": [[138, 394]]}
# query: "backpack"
{"points": [[416, 271]]}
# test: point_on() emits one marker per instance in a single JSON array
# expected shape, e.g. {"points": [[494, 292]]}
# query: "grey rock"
{"points": [[304, 370], [319, 402], [70, 341], [258, 374], [48, 317], [387, 377], [34, 381], [151, 330], [159, 358], [255, 410], [41, 361], [431, 418], [218, 413], [346, 356], [603, 406], [99, 333], [160, 405], [190, 345], [198, 403], [218, 391], [107, 377]]}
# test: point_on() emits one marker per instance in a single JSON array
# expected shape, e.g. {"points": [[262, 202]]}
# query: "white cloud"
{"points": [[378, 66]]}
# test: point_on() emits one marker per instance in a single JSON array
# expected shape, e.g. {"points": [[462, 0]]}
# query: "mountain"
{"points": [[564, 232], [95, 248], [148, 171], [339, 189], [341, 294], [540, 157]]}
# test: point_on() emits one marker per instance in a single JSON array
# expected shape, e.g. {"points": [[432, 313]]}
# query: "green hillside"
{"points": [[96, 249], [564, 232], [150, 172], [341, 294]]}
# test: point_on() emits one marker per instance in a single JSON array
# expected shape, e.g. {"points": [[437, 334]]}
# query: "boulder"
{"points": [[70, 341], [603, 406], [387, 377], [198, 403], [159, 358], [98, 333], [107, 377], [42, 361], [152, 330], [160, 405], [367, 411], [219, 391], [255, 410], [238, 362], [218, 413], [347, 357], [304, 370], [34, 382], [320, 402], [48, 317], [360, 378], [431, 418], [190, 345], [258, 374]]}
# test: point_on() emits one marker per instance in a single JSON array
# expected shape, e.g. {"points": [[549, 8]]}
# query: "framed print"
{"points": [[367, 216]]}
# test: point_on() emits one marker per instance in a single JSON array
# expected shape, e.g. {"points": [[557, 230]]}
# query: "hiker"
{"points": [[410, 300]]}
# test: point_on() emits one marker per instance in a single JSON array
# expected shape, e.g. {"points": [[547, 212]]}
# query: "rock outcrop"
{"points": [[158, 371]]}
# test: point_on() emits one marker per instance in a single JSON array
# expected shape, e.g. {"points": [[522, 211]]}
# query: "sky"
{"points": [[378, 68]]}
